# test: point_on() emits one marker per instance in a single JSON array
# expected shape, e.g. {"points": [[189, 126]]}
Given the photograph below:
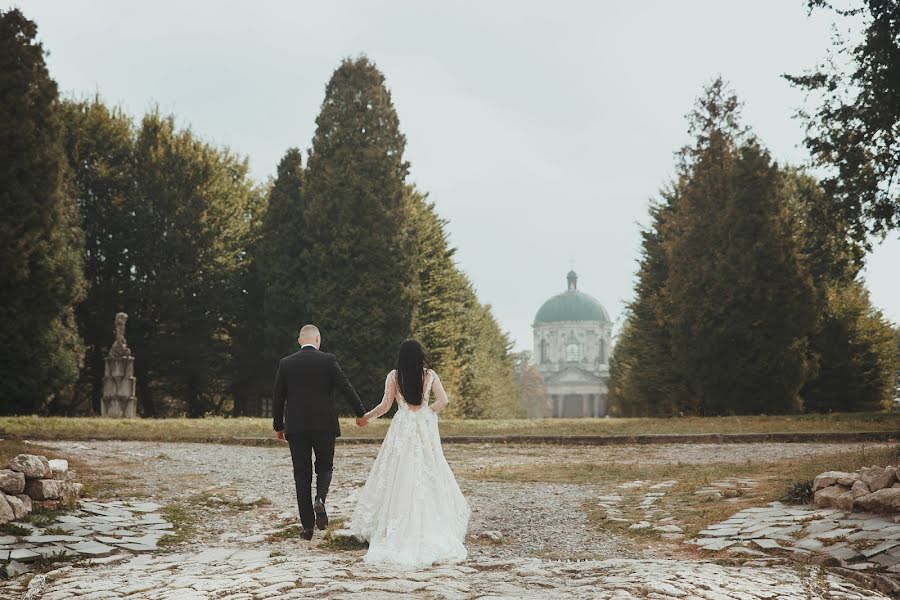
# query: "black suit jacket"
{"points": [[303, 399]]}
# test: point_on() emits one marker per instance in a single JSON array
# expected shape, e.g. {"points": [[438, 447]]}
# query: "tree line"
{"points": [[107, 213], [749, 296]]}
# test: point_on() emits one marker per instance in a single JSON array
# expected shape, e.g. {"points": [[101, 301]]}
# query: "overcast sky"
{"points": [[540, 129]]}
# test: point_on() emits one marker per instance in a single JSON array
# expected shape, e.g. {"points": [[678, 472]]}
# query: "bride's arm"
{"points": [[439, 393], [390, 391]]}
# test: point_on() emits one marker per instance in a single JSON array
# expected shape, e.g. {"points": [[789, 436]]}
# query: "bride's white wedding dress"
{"points": [[411, 509]]}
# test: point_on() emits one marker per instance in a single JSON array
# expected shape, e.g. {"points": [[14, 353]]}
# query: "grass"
{"points": [[774, 482], [182, 515], [341, 542], [219, 429]]}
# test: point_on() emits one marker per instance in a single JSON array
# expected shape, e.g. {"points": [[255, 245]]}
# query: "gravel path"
{"points": [[231, 558]]}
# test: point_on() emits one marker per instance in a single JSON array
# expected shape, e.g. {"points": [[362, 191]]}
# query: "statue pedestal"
{"points": [[119, 383]]}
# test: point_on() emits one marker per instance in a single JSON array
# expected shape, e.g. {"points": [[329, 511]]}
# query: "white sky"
{"points": [[540, 129]]}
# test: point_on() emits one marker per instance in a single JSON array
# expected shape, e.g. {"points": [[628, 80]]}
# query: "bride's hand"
{"points": [[361, 422]]}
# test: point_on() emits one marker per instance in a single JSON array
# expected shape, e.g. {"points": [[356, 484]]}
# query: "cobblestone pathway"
{"points": [[233, 556]]}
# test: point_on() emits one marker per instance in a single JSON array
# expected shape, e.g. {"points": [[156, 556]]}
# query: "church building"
{"points": [[572, 336]]}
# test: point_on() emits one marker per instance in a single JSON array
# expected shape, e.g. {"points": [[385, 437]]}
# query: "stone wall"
{"points": [[30, 481], [870, 489]]}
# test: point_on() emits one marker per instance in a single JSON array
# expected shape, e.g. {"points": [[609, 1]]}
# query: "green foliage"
{"points": [[282, 241], [40, 349], [357, 267], [857, 355], [193, 213], [643, 379], [98, 142], [724, 311], [854, 130]]}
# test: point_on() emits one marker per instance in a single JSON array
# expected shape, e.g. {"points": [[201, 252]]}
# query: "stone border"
{"points": [[799, 437], [633, 440]]}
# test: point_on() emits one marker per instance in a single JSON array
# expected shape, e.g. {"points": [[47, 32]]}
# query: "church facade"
{"points": [[572, 337]]}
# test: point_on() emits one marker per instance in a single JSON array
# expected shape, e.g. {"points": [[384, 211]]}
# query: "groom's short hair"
{"points": [[309, 331]]}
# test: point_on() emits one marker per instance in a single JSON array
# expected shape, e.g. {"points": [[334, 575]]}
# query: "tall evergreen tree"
{"points": [[281, 244], [643, 377], [357, 268], [442, 291], [741, 304], [41, 239]]}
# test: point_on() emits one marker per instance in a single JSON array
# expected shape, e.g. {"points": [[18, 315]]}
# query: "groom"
{"points": [[304, 415]]}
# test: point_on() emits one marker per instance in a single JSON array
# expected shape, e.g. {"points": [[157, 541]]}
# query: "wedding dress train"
{"points": [[411, 509]]}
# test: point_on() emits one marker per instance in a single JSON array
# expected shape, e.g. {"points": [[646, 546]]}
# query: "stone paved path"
{"points": [[232, 557]]}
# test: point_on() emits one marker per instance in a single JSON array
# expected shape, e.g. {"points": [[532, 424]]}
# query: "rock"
{"points": [[860, 488], [44, 489], [44, 504], [19, 508], [31, 465], [829, 478], [26, 500], [828, 496], [15, 568], [12, 482], [883, 500], [848, 481], [878, 479], [7, 513], [845, 501], [494, 536], [59, 468]]}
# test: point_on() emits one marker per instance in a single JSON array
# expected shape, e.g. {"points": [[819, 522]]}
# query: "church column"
{"points": [[585, 412]]}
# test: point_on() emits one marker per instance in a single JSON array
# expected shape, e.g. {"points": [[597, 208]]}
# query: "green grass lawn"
{"points": [[223, 429]]}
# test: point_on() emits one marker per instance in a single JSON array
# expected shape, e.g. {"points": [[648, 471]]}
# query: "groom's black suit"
{"points": [[303, 407]]}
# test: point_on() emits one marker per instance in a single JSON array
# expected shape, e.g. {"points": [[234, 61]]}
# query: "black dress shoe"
{"points": [[306, 534], [321, 515]]}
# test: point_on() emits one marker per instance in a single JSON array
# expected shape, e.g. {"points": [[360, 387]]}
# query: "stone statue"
{"points": [[119, 382], [120, 347]]}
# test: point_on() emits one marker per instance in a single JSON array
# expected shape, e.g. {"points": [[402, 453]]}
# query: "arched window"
{"points": [[543, 354], [573, 353]]}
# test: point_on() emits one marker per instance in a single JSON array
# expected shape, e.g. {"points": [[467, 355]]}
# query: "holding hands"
{"points": [[361, 421]]}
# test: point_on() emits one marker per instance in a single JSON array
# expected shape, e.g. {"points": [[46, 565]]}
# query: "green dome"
{"points": [[571, 305]]}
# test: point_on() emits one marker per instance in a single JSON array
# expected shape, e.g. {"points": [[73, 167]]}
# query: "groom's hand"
{"points": [[279, 435], [361, 422]]}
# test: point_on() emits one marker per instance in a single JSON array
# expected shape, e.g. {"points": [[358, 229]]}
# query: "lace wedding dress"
{"points": [[411, 509]]}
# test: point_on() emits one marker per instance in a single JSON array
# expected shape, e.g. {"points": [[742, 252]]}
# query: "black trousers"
{"points": [[302, 445]]}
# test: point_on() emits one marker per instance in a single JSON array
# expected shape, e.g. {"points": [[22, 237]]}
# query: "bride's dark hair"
{"points": [[411, 364]]}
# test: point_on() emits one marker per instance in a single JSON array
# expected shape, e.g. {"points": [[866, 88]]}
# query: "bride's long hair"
{"points": [[411, 364]]}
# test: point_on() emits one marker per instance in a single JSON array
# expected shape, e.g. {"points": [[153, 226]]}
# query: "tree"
{"points": [[643, 378], [193, 210], [857, 355], [282, 241], [40, 349], [852, 349], [740, 304], [442, 292], [356, 263], [532, 392], [98, 142], [854, 131]]}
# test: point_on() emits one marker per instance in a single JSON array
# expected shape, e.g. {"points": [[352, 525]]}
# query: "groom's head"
{"points": [[309, 334]]}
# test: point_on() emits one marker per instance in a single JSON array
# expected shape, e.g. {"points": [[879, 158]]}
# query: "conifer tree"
{"points": [[740, 303], [356, 263], [281, 244], [41, 238]]}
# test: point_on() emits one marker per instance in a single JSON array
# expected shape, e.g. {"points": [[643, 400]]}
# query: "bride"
{"points": [[411, 509]]}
